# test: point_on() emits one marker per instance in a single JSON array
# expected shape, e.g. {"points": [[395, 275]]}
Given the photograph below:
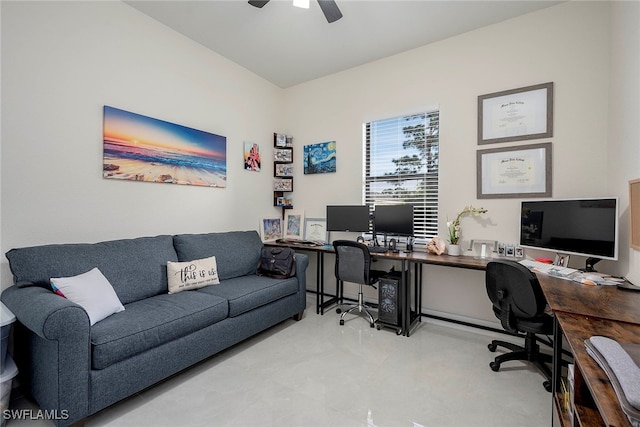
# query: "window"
{"points": [[401, 166]]}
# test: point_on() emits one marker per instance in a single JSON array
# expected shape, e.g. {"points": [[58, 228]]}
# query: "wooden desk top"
{"points": [[419, 256], [578, 328], [606, 302]]}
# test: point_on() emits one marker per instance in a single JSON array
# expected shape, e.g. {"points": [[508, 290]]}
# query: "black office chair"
{"points": [[519, 303], [353, 264]]}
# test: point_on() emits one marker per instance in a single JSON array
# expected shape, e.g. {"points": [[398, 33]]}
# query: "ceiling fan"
{"points": [[329, 8]]}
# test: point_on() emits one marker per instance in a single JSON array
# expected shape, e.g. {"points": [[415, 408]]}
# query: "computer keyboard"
{"points": [[300, 242], [377, 249], [550, 269]]}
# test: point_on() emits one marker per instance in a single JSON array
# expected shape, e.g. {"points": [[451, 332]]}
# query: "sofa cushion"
{"points": [[237, 252], [136, 268], [248, 292], [91, 291], [151, 322], [184, 276]]}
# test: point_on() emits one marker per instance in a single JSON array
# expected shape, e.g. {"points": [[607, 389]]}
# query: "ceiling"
{"points": [[288, 45]]}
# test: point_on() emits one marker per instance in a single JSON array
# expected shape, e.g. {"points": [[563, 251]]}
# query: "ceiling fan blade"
{"points": [[258, 3], [330, 10]]}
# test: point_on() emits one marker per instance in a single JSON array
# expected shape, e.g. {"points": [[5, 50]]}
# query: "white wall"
{"points": [[624, 122], [566, 44], [61, 62]]}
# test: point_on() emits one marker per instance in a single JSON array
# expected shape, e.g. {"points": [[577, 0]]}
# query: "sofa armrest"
{"points": [[44, 313], [302, 262], [52, 344]]}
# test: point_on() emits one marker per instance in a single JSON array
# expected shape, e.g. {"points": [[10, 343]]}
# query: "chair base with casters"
{"points": [[353, 264], [360, 309], [530, 352]]}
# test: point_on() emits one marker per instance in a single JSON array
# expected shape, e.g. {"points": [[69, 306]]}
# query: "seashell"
{"points": [[436, 246]]}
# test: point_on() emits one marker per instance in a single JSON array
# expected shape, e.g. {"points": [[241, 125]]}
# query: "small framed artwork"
{"points": [[284, 155], [561, 260], [516, 114], [270, 229], [293, 223], [284, 169], [283, 201], [320, 158], [283, 184], [252, 157], [315, 229], [523, 171], [510, 250], [281, 140]]}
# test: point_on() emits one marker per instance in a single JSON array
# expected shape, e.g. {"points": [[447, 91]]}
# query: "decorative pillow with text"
{"points": [[183, 276]]}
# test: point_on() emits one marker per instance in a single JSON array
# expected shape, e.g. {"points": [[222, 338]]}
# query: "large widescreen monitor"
{"points": [[587, 227], [348, 218], [393, 220]]}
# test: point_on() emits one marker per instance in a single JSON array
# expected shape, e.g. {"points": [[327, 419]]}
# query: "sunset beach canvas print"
{"points": [[140, 148]]}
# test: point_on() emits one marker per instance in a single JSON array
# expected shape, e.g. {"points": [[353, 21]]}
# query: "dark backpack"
{"points": [[277, 262]]}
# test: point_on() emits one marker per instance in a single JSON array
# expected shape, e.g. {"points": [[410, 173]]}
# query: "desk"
{"points": [[582, 311], [407, 259]]}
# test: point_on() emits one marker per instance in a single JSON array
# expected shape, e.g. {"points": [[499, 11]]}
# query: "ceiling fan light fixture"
{"points": [[304, 4]]}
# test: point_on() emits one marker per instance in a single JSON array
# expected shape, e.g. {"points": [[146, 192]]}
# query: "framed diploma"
{"points": [[516, 115], [315, 229], [523, 171]]}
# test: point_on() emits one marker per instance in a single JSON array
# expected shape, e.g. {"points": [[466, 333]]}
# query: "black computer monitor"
{"points": [[393, 220], [348, 218], [587, 227]]}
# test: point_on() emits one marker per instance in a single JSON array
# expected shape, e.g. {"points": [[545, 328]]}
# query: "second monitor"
{"points": [[394, 220]]}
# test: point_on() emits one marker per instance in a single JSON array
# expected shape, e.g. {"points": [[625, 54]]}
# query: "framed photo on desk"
{"points": [[270, 229], [315, 229], [293, 224]]}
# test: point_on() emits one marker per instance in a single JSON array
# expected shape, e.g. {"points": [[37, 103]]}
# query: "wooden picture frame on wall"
{"points": [[517, 172], [634, 213], [516, 114]]}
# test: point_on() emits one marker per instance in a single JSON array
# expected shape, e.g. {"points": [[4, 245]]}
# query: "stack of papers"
{"points": [[587, 278]]}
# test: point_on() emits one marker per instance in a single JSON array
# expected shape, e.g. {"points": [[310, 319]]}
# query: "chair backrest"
{"points": [[514, 291], [353, 261]]}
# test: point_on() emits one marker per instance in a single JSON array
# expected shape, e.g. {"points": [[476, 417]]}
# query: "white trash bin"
{"points": [[6, 319], [6, 382]]}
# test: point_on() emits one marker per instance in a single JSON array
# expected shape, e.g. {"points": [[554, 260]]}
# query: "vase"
{"points": [[453, 250]]}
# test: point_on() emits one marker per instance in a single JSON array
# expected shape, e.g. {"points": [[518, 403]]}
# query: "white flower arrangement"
{"points": [[454, 226]]}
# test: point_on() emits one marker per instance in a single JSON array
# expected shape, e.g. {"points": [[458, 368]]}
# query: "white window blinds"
{"points": [[401, 166]]}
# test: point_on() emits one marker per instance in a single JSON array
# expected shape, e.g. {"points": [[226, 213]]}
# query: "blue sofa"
{"points": [[74, 370]]}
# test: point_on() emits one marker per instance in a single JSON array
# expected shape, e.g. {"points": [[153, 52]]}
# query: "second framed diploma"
{"points": [[523, 171]]}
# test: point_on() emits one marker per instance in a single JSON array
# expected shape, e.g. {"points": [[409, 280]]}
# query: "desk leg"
{"points": [[557, 358], [319, 282], [406, 300], [337, 299], [412, 318]]}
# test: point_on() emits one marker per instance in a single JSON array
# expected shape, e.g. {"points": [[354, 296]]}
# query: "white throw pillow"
{"points": [[92, 291], [182, 276]]}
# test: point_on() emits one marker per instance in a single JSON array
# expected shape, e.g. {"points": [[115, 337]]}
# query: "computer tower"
{"points": [[390, 294]]}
